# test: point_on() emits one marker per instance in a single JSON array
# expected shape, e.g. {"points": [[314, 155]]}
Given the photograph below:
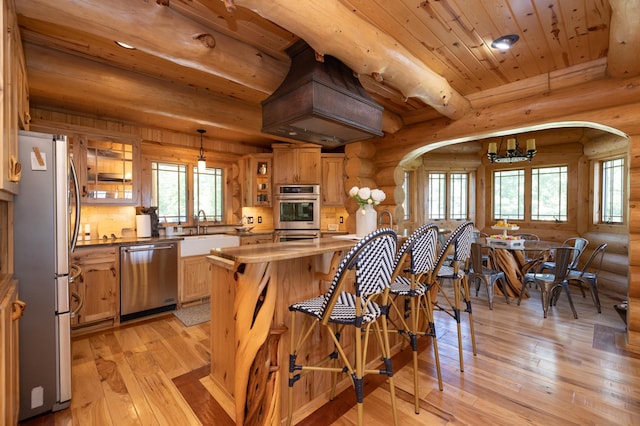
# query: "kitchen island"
{"points": [[251, 290]]}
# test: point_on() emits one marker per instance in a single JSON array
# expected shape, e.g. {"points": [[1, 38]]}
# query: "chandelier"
{"points": [[513, 153]]}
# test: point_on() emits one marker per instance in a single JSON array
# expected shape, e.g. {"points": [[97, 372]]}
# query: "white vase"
{"points": [[366, 220]]}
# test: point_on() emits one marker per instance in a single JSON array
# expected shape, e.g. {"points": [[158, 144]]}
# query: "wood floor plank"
{"points": [[143, 410], [528, 370]]}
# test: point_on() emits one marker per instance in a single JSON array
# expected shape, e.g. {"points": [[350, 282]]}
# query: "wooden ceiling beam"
{"points": [[624, 39], [67, 81], [180, 40]]}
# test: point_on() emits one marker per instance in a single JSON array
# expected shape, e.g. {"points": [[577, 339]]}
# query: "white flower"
{"points": [[364, 193], [378, 196], [366, 196]]}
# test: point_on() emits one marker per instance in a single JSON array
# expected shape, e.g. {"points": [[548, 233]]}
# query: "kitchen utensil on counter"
{"points": [[109, 227], [243, 229]]}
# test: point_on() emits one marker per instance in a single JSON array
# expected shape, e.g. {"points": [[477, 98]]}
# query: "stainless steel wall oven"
{"points": [[296, 208]]}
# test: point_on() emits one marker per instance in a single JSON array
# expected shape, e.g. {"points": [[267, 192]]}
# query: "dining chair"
{"points": [[529, 237], [529, 254], [549, 282], [590, 278], [458, 245], [481, 274], [414, 263], [367, 268], [578, 243]]}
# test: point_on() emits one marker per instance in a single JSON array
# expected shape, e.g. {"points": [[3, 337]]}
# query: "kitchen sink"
{"points": [[196, 245]]}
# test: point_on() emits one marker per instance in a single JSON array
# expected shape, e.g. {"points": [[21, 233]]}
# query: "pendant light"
{"points": [[202, 164]]}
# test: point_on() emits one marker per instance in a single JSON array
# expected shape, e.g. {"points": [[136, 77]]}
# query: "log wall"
{"points": [[604, 103]]}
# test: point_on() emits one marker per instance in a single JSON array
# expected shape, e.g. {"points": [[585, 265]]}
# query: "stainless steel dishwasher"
{"points": [[148, 279]]}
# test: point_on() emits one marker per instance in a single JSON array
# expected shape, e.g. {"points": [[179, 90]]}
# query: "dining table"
{"points": [[516, 262]]}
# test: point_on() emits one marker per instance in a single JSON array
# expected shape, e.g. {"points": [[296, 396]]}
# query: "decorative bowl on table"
{"points": [[243, 229]]}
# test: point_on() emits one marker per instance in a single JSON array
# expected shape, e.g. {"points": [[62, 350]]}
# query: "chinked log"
{"points": [[360, 167], [360, 150]]}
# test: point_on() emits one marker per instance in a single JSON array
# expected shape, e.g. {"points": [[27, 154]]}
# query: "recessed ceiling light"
{"points": [[124, 45], [505, 42]]}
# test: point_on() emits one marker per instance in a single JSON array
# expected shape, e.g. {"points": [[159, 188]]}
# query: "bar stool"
{"points": [[459, 243], [372, 261], [414, 263]]}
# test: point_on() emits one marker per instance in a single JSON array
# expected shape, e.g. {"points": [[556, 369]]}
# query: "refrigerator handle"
{"points": [[76, 188]]}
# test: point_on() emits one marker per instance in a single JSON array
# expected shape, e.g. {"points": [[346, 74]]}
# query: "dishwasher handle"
{"points": [[148, 248]]}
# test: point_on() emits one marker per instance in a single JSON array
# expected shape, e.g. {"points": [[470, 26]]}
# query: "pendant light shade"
{"points": [[202, 163]]}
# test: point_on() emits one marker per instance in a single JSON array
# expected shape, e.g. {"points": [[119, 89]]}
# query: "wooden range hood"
{"points": [[320, 102]]}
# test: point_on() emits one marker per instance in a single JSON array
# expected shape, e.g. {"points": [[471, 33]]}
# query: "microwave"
{"points": [[296, 207]]}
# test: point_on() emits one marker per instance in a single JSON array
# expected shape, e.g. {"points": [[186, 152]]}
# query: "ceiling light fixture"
{"points": [[505, 42], [125, 45], [513, 154], [202, 163]]}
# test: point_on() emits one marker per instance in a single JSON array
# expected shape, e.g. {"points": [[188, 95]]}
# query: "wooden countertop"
{"points": [[270, 252], [126, 241]]}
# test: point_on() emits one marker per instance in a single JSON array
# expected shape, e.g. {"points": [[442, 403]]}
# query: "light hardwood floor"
{"points": [[529, 370]]}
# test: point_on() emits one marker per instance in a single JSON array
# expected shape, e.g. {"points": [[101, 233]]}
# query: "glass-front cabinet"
{"points": [[108, 170], [258, 188]]}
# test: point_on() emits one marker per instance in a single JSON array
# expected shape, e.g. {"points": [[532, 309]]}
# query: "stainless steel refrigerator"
{"points": [[41, 263]]}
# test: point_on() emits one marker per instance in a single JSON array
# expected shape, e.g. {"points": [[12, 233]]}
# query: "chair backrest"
{"points": [[579, 244], [563, 257], [420, 249], [528, 237], [460, 243], [372, 258], [595, 260], [476, 258]]}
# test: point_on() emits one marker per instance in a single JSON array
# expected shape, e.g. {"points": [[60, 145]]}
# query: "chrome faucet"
{"points": [[198, 220], [390, 218]]}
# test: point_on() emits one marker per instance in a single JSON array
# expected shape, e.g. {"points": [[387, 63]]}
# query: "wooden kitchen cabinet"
{"points": [[332, 185], [15, 99], [296, 164], [194, 279], [108, 170], [98, 286], [246, 240], [258, 191], [10, 312]]}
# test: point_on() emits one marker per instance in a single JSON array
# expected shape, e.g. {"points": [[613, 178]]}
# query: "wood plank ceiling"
{"points": [[198, 65]]}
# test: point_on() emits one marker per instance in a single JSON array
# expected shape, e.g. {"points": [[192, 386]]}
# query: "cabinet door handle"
{"points": [[75, 296], [74, 272], [17, 309]]}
